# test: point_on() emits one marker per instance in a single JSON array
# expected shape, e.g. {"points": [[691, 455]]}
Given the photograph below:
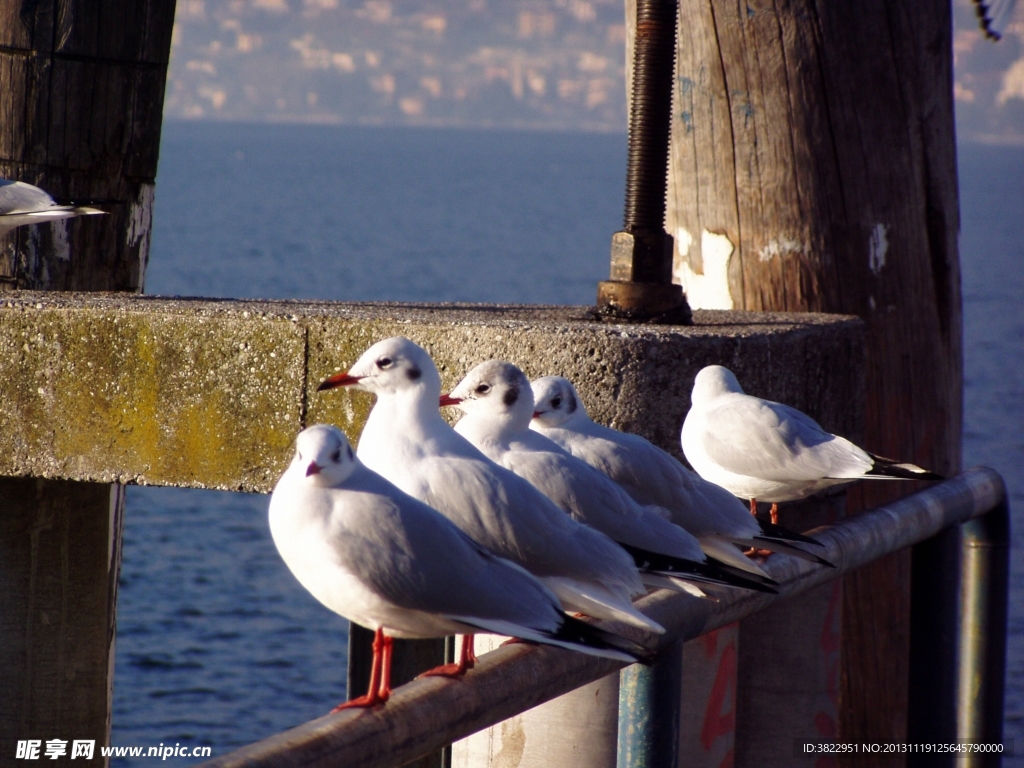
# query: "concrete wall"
{"points": [[210, 394]]}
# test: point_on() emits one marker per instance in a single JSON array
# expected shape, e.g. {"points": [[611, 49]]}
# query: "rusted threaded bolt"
{"points": [[641, 286]]}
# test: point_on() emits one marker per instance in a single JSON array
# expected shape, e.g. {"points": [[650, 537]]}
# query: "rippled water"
{"points": [[217, 643]]}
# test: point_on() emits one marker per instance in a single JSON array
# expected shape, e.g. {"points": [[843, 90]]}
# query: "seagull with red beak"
{"points": [[390, 563]]}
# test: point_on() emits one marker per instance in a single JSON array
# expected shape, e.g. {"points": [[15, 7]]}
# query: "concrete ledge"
{"points": [[210, 394]]}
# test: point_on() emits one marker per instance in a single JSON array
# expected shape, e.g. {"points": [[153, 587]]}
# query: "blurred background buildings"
{"points": [[516, 63]]}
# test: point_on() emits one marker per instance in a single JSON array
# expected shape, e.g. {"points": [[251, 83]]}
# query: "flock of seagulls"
{"points": [[528, 511]]}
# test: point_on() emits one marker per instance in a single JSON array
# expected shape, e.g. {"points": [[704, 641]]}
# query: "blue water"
{"points": [[217, 644]]}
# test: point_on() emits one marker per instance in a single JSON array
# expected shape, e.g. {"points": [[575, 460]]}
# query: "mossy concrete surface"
{"points": [[208, 393]]}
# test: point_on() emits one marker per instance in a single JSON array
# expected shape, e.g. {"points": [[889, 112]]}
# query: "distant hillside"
{"points": [[556, 63], [528, 63]]}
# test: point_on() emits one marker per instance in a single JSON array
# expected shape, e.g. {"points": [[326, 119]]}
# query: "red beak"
{"points": [[339, 380], [538, 413], [312, 469], [449, 400]]}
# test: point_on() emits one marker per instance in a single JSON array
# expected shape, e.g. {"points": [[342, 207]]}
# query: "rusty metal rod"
{"points": [[650, 123], [640, 288], [427, 714]]}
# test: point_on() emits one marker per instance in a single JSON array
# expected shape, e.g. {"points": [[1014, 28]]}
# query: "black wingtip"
{"points": [[572, 630], [738, 578], [900, 470], [771, 531], [981, 10], [711, 571]]}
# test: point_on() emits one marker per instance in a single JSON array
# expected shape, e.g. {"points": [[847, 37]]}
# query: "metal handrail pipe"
{"points": [[984, 586], [427, 714]]}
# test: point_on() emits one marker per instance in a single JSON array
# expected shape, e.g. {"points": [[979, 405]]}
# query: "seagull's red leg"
{"points": [[775, 514], [467, 658], [754, 553], [380, 675], [384, 693]]}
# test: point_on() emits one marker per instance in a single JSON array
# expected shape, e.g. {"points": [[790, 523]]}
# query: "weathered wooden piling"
{"points": [[81, 94], [813, 168]]}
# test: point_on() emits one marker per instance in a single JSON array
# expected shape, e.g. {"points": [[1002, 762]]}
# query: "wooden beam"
{"points": [[813, 168]]}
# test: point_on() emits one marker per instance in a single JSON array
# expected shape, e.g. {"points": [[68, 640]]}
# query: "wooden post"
{"points": [[81, 95], [813, 168]]}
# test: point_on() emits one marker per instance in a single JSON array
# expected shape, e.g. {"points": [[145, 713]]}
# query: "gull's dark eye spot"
{"points": [[572, 404], [556, 401], [384, 362], [511, 395], [483, 389], [336, 456], [414, 373], [351, 456]]}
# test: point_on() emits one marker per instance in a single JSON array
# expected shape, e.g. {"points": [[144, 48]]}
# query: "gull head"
{"points": [[712, 381], [390, 366], [498, 390], [323, 456], [555, 401]]}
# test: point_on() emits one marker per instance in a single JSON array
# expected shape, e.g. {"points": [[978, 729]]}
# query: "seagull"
{"points": [[390, 563], [498, 403], [654, 477], [759, 449], [407, 441], [22, 203], [994, 16]]}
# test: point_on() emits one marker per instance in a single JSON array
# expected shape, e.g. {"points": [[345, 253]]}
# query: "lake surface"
{"points": [[217, 643]]}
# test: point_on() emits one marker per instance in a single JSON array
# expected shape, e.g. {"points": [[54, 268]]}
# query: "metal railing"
{"points": [[428, 714]]}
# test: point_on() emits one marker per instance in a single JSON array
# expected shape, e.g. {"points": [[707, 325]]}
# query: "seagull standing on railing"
{"points": [[498, 405], [390, 563], [407, 441], [654, 477], [762, 450], [22, 204]]}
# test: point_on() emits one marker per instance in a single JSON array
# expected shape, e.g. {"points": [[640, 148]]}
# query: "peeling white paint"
{"points": [[140, 227], [683, 241], [783, 246], [141, 215], [878, 245], [709, 290], [61, 246]]}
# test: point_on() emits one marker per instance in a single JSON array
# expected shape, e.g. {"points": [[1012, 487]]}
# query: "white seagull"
{"points": [[22, 203], [390, 563], [761, 450], [652, 476], [498, 403], [407, 441]]}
